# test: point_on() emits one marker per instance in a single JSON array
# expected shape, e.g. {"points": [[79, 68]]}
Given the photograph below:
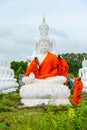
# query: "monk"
{"points": [[63, 68], [78, 86], [33, 68]]}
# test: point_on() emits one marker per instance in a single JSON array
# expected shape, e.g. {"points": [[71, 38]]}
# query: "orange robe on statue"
{"points": [[78, 86], [63, 68], [32, 68], [48, 66]]}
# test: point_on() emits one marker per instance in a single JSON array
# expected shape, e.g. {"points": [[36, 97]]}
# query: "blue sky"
{"points": [[20, 20]]}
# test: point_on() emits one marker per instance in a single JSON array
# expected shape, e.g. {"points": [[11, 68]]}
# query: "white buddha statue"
{"points": [[83, 74], [48, 86], [7, 81]]}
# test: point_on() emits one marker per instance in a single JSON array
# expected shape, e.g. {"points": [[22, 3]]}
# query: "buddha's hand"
{"points": [[28, 79]]}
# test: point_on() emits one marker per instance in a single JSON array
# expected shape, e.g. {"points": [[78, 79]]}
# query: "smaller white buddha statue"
{"points": [[83, 74], [7, 81]]}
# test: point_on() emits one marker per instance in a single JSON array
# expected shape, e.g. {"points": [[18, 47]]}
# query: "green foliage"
{"points": [[19, 68], [62, 117], [7, 101]]}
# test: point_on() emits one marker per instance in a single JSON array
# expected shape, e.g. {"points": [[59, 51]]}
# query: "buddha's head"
{"points": [[44, 45]]}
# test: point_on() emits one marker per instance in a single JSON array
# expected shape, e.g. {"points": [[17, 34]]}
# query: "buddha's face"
{"points": [[44, 47]]}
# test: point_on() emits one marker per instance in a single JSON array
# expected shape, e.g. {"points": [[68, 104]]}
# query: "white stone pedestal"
{"points": [[38, 93]]}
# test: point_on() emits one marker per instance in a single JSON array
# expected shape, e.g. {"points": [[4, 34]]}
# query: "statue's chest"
{"points": [[41, 57]]}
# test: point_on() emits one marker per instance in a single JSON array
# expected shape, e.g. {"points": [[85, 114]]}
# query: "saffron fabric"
{"points": [[48, 66], [63, 68], [78, 86], [32, 68]]}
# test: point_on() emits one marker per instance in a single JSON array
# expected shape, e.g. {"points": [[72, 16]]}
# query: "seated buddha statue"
{"points": [[37, 89], [48, 83]]}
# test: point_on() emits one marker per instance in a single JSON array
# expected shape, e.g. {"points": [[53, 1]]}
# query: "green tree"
{"points": [[19, 68]]}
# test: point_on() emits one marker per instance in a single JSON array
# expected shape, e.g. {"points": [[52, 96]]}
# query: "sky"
{"points": [[20, 21]]}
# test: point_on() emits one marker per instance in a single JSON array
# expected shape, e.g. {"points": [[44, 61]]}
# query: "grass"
{"points": [[62, 117]]}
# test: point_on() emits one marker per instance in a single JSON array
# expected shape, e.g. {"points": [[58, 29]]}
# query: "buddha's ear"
{"points": [[37, 44], [51, 45]]}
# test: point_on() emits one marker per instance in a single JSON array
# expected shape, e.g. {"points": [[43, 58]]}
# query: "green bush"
{"points": [[62, 117]]}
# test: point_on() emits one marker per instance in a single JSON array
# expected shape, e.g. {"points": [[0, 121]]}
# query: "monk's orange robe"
{"points": [[78, 86], [32, 68], [47, 66], [63, 68]]}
